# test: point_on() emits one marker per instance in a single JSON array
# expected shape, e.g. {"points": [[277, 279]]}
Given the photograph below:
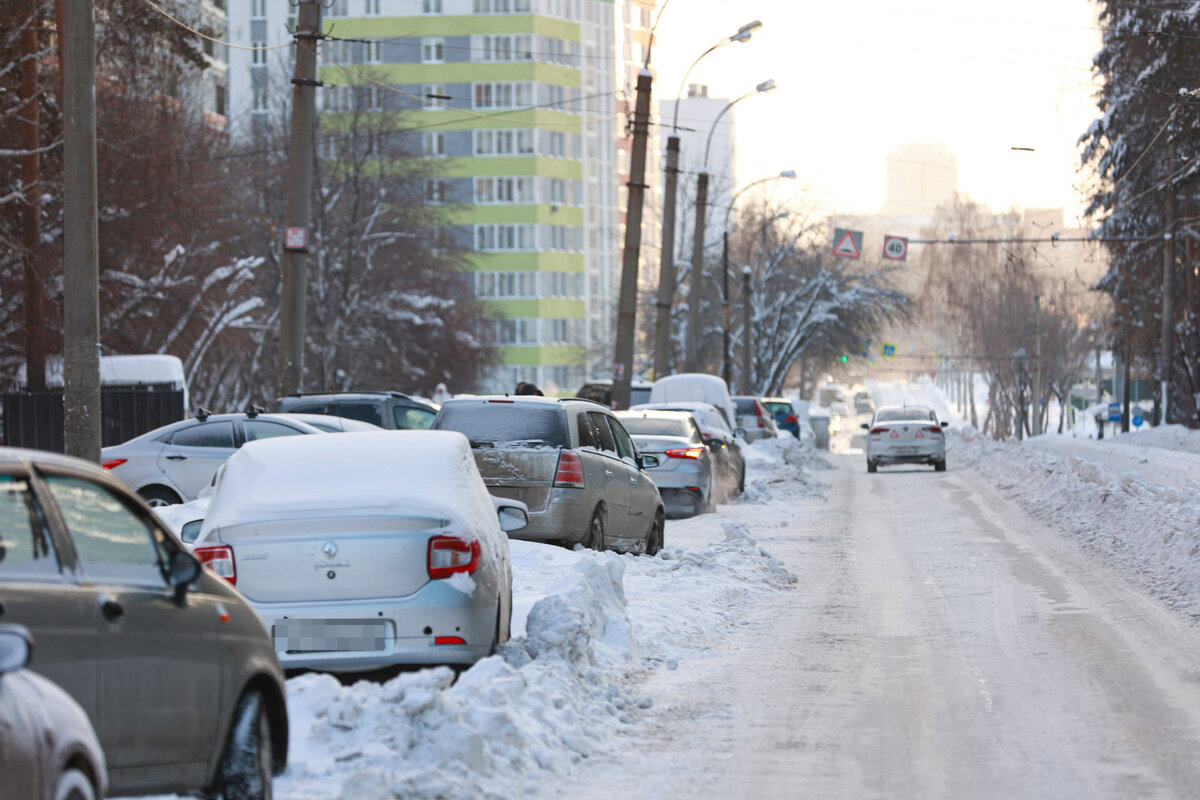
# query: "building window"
{"points": [[258, 55], [503, 6], [219, 101], [519, 189], [435, 191], [433, 144], [433, 50], [338, 8], [434, 96], [503, 95], [431, 6], [372, 8], [258, 9], [373, 99], [505, 237], [258, 99], [373, 52]]}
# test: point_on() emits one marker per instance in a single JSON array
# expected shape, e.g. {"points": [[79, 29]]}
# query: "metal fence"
{"points": [[35, 419]]}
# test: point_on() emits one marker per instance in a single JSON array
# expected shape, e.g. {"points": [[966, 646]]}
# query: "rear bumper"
{"points": [[411, 626], [565, 518], [913, 454]]}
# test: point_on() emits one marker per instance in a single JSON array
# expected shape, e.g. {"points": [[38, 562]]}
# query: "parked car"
{"points": [[754, 418], [695, 387], [722, 442], [172, 464], [390, 410], [331, 424], [786, 415], [392, 552], [863, 404], [571, 462], [48, 749], [905, 435], [170, 663], [601, 392], [685, 476]]}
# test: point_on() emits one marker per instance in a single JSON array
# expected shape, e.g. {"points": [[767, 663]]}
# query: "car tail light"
{"points": [[113, 462], [791, 419], [685, 452], [932, 429], [219, 559], [449, 640], [879, 430], [569, 474], [500, 401], [450, 554]]}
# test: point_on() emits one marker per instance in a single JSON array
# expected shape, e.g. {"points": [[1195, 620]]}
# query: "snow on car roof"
{"points": [[354, 474]]}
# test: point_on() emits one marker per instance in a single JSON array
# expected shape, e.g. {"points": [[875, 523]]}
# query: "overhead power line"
{"points": [[213, 39]]}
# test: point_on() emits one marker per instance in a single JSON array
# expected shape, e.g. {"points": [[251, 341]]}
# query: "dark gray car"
{"points": [[391, 410], [570, 462], [170, 663]]}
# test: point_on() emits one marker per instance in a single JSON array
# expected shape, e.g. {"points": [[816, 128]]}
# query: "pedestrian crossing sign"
{"points": [[889, 350]]}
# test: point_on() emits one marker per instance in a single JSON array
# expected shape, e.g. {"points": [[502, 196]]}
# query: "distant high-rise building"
{"points": [[697, 114], [524, 103], [920, 177]]}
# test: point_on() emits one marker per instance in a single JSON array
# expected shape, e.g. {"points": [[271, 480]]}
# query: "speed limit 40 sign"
{"points": [[895, 248]]}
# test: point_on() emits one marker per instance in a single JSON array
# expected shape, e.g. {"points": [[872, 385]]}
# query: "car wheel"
{"points": [[939, 466], [742, 480], [654, 541], [245, 772], [595, 536], [871, 466], [159, 496], [74, 785], [496, 633]]}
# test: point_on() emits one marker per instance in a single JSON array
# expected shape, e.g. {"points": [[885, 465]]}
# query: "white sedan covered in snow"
{"points": [[905, 435], [365, 550]]}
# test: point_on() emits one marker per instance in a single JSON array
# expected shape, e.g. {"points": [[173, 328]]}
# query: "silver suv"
{"points": [[572, 464]]}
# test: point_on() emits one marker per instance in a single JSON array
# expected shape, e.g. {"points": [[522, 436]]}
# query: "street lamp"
{"points": [[726, 363], [692, 361], [666, 272]]}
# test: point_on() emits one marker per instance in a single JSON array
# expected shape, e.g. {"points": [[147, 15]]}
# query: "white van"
{"points": [[695, 387]]}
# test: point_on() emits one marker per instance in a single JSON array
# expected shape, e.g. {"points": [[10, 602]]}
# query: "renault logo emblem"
{"points": [[330, 549]]}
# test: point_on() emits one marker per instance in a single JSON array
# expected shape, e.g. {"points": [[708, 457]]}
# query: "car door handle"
{"points": [[176, 458], [608, 474], [111, 609]]}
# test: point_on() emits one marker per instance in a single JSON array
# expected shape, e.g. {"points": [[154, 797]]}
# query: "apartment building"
{"points": [[522, 106]]}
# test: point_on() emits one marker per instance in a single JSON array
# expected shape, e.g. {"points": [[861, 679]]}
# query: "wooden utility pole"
{"points": [[696, 282], [1166, 350], [747, 334], [666, 265], [627, 300], [298, 214], [1037, 364], [31, 228], [81, 286]]}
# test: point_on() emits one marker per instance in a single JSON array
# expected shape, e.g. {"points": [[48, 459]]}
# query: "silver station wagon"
{"points": [[572, 464]]}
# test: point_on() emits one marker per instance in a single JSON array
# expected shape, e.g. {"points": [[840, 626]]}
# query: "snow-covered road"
{"points": [[939, 643]]}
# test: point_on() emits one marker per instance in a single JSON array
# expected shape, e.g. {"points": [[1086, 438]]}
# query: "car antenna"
{"points": [[203, 413], [254, 410]]}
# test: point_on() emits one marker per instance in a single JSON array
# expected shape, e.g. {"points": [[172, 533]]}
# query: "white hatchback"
{"points": [[365, 550], [905, 435]]}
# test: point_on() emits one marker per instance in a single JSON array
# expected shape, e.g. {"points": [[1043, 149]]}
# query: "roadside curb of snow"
{"points": [[555, 696], [792, 474], [1146, 531]]}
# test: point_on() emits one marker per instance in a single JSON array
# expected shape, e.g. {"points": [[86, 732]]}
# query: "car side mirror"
{"points": [[191, 531], [739, 433], [184, 570], [16, 647], [865, 426], [512, 518], [945, 424], [648, 462]]}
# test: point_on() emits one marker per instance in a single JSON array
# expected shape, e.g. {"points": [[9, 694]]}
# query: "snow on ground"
{"points": [[1132, 500], [586, 628]]}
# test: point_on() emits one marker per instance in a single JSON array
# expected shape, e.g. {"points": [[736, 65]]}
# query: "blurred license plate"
{"points": [[329, 635], [906, 450]]}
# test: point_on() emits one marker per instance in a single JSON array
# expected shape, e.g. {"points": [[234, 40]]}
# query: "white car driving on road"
{"points": [[905, 435]]}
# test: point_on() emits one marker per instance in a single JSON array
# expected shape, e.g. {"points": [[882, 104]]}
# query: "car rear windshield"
{"points": [[648, 426], [506, 423], [745, 405], [900, 414], [780, 408], [637, 396]]}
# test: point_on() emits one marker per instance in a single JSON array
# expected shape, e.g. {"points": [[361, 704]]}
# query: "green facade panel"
{"points": [[544, 215], [454, 72], [437, 25], [542, 356], [553, 307], [514, 262], [484, 166]]}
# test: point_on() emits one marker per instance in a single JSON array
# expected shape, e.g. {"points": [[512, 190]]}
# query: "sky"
{"points": [[859, 77]]}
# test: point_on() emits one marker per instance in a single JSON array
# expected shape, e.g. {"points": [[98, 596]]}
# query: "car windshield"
{"points": [[649, 426], [637, 395], [506, 423], [780, 408], [900, 414]]}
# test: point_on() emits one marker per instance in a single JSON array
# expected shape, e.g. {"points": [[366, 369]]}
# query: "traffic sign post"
{"points": [[847, 243], [1114, 412], [889, 350], [895, 248]]}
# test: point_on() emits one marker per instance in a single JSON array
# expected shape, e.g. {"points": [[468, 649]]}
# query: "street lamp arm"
{"points": [[743, 35], [788, 174]]}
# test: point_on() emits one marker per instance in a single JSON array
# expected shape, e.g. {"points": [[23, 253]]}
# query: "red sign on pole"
{"points": [[295, 239], [895, 248]]}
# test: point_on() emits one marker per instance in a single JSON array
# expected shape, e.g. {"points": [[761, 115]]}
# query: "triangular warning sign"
{"points": [[846, 246]]}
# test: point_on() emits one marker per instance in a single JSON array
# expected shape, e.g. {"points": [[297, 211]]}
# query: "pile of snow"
{"points": [[586, 627], [782, 465], [1146, 530]]}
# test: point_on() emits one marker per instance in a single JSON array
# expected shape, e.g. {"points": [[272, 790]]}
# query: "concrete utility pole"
{"points": [[81, 285], [747, 335], [298, 215], [1037, 364], [627, 300], [726, 358], [1166, 351], [31, 228], [666, 266], [692, 358]]}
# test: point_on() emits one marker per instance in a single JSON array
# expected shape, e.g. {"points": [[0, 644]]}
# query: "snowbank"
{"points": [[1147, 530]]}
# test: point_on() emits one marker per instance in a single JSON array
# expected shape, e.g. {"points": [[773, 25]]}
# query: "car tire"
{"points": [[159, 496], [872, 466], [742, 480], [939, 466], [654, 540], [496, 632], [73, 784], [246, 766], [596, 528]]}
